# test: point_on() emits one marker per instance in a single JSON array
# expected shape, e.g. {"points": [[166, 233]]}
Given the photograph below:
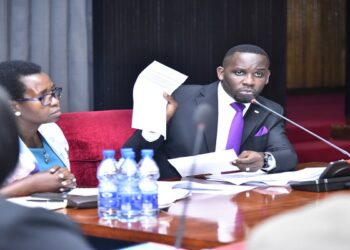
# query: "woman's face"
{"points": [[34, 111]]}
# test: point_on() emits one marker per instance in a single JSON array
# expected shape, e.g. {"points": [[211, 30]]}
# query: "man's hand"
{"points": [[171, 107], [250, 161]]}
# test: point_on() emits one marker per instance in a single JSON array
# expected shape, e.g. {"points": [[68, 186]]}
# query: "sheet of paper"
{"points": [[168, 195], [210, 163], [261, 178], [29, 201], [211, 188], [84, 191], [149, 111]]}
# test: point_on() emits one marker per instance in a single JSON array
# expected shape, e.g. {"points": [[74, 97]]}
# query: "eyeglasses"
{"points": [[45, 99]]}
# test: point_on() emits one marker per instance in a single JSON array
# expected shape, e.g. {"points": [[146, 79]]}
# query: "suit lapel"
{"points": [[209, 94], [253, 119]]}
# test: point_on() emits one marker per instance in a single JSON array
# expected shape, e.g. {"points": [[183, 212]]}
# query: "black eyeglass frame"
{"points": [[55, 92]]}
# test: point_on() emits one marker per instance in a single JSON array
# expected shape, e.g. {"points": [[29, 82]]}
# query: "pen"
{"points": [[35, 200]]}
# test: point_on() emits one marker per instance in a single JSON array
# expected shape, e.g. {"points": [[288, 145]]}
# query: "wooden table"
{"points": [[212, 220]]}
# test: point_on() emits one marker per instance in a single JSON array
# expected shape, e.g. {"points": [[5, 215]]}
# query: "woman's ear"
{"points": [[16, 108]]}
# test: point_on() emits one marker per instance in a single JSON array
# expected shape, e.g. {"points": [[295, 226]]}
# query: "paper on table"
{"points": [[149, 111], [166, 193], [261, 178], [84, 191], [29, 201], [210, 163], [212, 188]]}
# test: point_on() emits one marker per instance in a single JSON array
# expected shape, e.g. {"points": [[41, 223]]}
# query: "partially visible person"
{"points": [[22, 227], [322, 225], [43, 164], [259, 139]]}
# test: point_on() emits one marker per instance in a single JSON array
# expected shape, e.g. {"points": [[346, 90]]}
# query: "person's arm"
{"points": [[55, 180], [147, 139], [281, 149], [282, 155]]}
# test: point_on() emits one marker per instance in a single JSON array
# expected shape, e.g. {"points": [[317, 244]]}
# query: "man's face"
{"points": [[244, 75]]}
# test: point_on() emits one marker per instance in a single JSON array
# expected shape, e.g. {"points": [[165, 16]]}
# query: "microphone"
{"points": [[303, 128], [201, 117]]}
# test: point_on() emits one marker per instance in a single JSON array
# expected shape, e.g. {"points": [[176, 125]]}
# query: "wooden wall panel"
{"points": [[316, 43]]}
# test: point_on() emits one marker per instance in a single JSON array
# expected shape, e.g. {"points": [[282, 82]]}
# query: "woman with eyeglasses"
{"points": [[43, 164]]}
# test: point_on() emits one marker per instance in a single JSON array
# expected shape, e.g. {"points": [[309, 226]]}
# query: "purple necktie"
{"points": [[236, 129]]}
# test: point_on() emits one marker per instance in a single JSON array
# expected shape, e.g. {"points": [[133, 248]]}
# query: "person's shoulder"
{"points": [[17, 213], [197, 86], [23, 226], [188, 90], [11, 219], [12, 211]]}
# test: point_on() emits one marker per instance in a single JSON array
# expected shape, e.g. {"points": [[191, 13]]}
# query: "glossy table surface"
{"points": [[212, 220]]}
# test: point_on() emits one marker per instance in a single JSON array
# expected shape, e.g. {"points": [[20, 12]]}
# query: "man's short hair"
{"points": [[245, 48], [9, 143], [12, 71]]}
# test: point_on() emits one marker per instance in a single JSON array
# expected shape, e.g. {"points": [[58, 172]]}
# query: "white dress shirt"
{"points": [[225, 116]]}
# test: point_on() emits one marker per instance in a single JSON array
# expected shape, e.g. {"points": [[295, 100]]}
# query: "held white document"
{"points": [[149, 111], [210, 163]]}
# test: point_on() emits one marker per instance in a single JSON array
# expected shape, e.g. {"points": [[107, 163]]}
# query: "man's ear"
{"points": [[220, 72], [268, 77]]}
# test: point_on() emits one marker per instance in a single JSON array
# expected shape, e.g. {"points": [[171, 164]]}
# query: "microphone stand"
{"points": [[181, 227], [302, 128]]}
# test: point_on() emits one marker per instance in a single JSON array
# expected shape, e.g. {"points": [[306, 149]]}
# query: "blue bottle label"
{"points": [[149, 201], [129, 202], [108, 200]]}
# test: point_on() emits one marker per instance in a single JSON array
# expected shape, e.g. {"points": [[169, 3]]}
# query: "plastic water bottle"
{"points": [[122, 157], [128, 190], [149, 174], [107, 186]]}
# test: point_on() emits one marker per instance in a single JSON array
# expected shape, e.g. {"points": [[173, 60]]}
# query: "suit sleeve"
{"points": [[137, 142], [280, 147]]}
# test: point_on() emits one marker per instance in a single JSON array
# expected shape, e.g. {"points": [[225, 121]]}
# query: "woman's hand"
{"points": [[54, 180], [67, 179]]}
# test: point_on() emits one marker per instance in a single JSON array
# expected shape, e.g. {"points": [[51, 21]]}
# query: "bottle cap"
{"points": [[108, 153], [130, 154], [124, 150], [147, 152]]}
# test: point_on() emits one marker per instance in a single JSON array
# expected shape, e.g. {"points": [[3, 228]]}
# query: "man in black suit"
{"points": [[242, 76], [22, 227]]}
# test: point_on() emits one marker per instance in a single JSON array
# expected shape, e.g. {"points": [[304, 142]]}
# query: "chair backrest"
{"points": [[88, 133]]}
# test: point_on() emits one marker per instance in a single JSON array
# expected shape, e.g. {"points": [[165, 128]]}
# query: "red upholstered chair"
{"points": [[88, 133]]}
